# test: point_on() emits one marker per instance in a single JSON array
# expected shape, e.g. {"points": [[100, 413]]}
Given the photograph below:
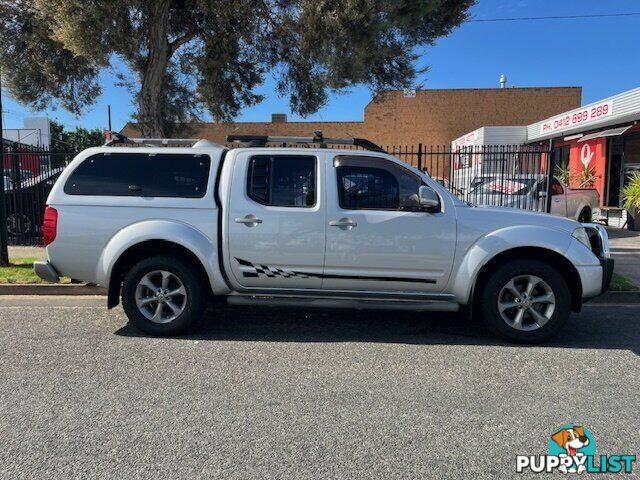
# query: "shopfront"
{"points": [[595, 146], [603, 162]]}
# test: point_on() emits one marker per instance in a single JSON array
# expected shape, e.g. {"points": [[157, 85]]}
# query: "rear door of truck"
{"points": [[276, 219]]}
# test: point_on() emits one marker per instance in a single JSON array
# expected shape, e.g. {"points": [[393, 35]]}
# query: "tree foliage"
{"points": [[183, 57], [75, 140]]}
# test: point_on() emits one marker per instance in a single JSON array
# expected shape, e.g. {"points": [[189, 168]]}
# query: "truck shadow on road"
{"points": [[597, 327]]}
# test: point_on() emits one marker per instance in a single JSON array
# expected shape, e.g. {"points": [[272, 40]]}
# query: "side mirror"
{"points": [[428, 197]]}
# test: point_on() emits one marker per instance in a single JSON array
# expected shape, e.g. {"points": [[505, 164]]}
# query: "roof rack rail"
{"points": [[115, 138], [262, 140]]}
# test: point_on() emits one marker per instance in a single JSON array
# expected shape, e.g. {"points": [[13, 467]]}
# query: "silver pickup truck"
{"points": [[530, 191], [167, 228]]}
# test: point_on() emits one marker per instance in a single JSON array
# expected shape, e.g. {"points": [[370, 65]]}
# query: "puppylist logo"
{"points": [[572, 449]]}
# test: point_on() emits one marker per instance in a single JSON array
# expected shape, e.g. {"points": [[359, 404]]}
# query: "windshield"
{"points": [[504, 186]]}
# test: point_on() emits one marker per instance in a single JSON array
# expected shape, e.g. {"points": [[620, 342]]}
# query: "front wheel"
{"points": [[161, 296], [525, 301]]}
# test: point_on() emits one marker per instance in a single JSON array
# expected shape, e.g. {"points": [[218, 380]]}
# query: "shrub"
{"points": [[631, 192]]}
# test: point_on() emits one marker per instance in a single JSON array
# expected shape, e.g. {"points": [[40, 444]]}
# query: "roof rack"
{"points": [[115, 138], [262, 140]]}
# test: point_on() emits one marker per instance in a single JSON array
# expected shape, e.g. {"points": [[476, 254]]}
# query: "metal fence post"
{"points": [[18, 200], [420, 156], [551, 166], [4, 251]]}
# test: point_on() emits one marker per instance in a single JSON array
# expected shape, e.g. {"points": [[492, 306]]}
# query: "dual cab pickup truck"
{"points": [[167, 228]]}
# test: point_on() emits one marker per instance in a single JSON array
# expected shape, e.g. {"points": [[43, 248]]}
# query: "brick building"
{"points": [[431, 117]]}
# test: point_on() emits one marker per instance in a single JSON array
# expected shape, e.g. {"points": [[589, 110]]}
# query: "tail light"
{"points": [[50, 225]]}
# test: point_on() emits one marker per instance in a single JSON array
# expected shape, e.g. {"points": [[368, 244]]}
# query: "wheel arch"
{"points": [[154, 237], [147, 249], [555, 260]]}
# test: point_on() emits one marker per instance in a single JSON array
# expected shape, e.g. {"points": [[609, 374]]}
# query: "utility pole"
{"points": [[109, 116], [4, 251]]}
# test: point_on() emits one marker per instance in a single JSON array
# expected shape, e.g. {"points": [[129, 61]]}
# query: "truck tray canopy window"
{"points": [[282, 180], [141, 175]]}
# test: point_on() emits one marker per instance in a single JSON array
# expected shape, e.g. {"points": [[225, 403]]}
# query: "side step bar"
{"points": [[348, 303]]}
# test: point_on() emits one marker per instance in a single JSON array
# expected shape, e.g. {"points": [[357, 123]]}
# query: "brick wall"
{"points": [[432, 117]]}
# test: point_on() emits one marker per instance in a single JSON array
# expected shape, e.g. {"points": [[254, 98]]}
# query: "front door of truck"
{"points": [[276, 220], [558, 198], [378, 237]]}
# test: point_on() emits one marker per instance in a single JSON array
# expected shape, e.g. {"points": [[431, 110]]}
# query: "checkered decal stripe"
{"points": [[249, 270]]}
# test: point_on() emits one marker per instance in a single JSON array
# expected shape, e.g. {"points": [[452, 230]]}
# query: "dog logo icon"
{"points": [[571, 443], [572, 449]]}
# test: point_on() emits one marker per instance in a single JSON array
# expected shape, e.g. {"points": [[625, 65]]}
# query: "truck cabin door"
{"points": [[379, 237], [276, 220], [558, 199]]}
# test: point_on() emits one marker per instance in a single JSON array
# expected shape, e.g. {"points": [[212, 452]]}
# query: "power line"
{"points": [[555, 17]]}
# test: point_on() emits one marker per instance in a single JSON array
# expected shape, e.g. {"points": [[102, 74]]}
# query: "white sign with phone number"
{"points": [[577, 118]]}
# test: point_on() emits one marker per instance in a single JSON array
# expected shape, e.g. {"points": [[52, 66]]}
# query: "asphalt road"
{"points": [[256, 394]]}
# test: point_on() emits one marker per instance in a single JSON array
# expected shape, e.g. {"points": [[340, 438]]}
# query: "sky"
{"points": [[598, 54]]}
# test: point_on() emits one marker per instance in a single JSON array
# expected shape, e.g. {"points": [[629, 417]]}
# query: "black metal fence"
{"points": [[502, 175], [29, 175], [498, 175]]}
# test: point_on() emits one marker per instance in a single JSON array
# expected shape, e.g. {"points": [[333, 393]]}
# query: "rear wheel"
{"points": [[525, 301], [161, 296]]}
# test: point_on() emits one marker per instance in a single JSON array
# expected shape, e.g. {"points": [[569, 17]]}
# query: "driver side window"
{"points": [[370, 183]]}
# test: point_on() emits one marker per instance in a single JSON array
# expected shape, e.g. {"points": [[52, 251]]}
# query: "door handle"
{"points": [[249, 220], [343, 222]]}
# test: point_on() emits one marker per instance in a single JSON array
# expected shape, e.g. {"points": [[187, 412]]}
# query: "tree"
{"points": [[76, 140], [183, 57]]}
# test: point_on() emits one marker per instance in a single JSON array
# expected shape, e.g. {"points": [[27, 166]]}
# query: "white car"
{"points": [[167, 228]]}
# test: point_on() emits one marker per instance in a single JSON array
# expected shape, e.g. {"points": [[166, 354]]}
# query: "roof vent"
{"points": [[278, 118]]}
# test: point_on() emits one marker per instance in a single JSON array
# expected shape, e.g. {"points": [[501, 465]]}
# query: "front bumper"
{"points": [[46, 271]]}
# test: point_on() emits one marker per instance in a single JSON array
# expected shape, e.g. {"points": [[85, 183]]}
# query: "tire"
{"points": [[498, 289], [190, 299], [18, 227], [585, 216]]}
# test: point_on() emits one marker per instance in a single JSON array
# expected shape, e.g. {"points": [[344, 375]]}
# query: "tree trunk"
{"points": [[152, 91]]}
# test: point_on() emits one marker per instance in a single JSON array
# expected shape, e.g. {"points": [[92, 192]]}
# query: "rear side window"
{"points": [[141, 175], [282, 180]]}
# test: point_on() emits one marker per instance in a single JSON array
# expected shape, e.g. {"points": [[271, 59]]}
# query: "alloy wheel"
{"points": [[161, 296], [526, 302]]}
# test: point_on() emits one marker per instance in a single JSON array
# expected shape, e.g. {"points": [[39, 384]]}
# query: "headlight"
{"points": [[580, 234]]}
